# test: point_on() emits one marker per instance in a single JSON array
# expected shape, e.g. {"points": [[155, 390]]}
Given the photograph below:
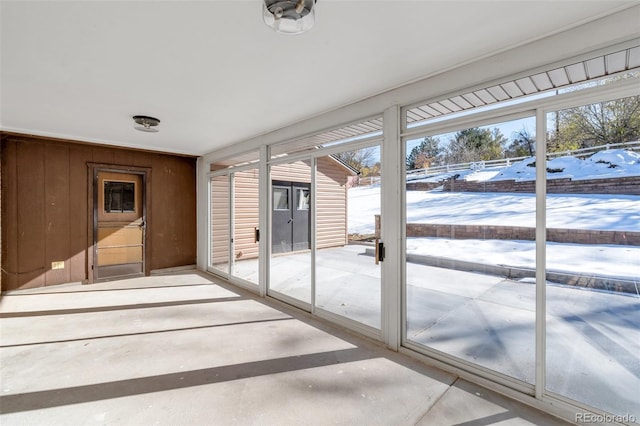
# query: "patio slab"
{"points": [[230, 359], [592, 335]]}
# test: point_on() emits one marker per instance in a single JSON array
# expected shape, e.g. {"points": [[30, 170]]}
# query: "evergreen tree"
{"points": [[425, 154], [476, 144]]}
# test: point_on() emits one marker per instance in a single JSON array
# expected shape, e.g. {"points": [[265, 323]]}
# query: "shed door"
{"points": [[120, 225], [290, 217]]}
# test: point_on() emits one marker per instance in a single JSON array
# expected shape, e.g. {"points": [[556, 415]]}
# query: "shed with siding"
{"points": [[332, 182]]}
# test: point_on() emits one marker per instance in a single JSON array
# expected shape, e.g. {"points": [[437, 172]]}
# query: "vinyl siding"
{"points": [[331, 202]]}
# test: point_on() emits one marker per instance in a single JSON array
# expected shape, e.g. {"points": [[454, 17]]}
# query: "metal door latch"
{"points": [[379, 251]]}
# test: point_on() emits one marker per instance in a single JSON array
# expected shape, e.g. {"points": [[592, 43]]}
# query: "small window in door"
{"points": [[280, 198], [119, 197], [303, 198]]}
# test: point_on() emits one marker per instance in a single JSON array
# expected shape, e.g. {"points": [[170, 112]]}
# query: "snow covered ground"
{"points": [[577, 211], [604, 164], [606, 260]]}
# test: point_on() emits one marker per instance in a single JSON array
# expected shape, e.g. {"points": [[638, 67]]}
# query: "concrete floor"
{"points": [[593, 337], [182, 349]]}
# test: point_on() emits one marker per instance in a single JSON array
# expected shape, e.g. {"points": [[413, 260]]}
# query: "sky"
{"points": [[507, 128]]}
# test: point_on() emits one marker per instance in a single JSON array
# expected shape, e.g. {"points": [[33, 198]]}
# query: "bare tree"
{"points": [[523, 144], [597, 124], [358, 159]]}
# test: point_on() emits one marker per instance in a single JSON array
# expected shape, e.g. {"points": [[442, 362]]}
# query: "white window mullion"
{"points": [[203, 190], [391, 227], [312, 212], [232, 225], [541, 236], [264, 202]]}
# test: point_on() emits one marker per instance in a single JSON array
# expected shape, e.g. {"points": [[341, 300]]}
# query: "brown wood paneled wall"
{"points": [[45, 208]]}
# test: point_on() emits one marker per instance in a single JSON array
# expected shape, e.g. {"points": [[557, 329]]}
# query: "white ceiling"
{"points": [[215, 75]]}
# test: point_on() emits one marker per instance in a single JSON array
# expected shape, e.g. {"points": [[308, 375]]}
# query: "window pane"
{"points": [[245, 222], [119, 197], [470, 246], [593, 255], [347, 277], [280, 198], [290, 267], [220, 223], [303, 199]]}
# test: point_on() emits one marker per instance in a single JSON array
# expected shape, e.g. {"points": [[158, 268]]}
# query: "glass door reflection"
{"points": [[348, 280]]}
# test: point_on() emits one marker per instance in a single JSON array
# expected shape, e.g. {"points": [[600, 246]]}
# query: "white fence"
{"points": [[368, 181], [505, 162]]}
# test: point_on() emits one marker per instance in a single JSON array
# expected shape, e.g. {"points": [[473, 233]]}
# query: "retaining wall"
{"points": [[629, 185], [493, 232], [497, 232]]}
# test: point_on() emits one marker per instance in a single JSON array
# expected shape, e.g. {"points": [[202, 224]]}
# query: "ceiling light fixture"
{"points": [[289, 16], [146, 123]]}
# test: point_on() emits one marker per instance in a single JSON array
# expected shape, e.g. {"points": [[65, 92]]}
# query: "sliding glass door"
{"points": [[593, 255], [291, 214], [220, 209], [523, 250], [234, 225], [325, 216], [347, 227], [470, 246], [246, 234]]}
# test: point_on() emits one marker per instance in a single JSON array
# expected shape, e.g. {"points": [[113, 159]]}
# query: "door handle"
{"points": [[142, 224], [256, 235], [290, 220], [379, 251]]}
